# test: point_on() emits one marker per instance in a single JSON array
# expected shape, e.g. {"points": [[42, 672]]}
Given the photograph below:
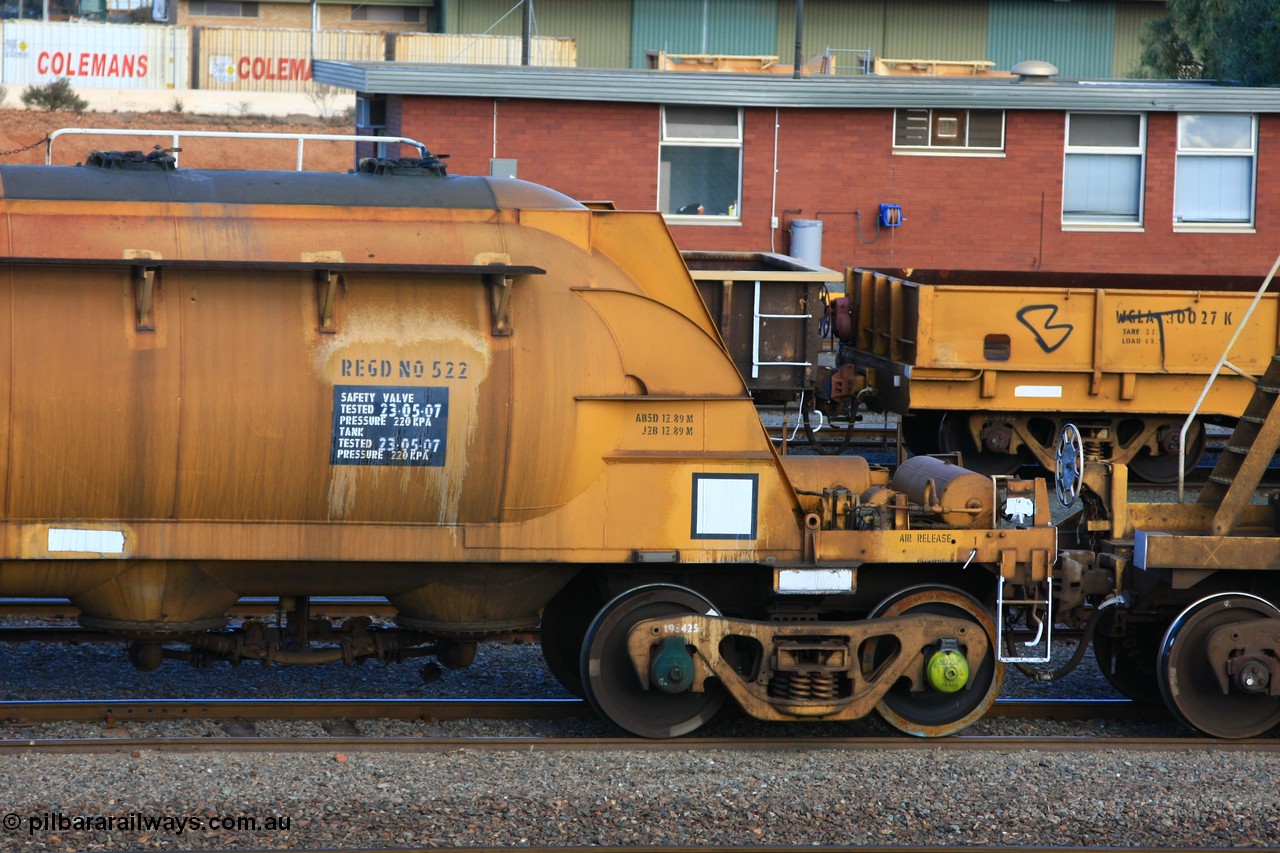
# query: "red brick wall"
{"points": [[838, 166], [588, 151]]}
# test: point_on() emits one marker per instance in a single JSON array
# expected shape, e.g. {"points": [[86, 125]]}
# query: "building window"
{"points": [[389, 14], [700, 163], [1102, 178], [371, 120], [949, 130], [1215, 173], [222, 9]]}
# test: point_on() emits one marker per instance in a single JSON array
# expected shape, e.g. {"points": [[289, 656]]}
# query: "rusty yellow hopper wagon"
{"points": [[497, 408]]}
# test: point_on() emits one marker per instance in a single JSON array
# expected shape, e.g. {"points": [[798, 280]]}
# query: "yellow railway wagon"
{"points": [[993, 371], [484, 401]]}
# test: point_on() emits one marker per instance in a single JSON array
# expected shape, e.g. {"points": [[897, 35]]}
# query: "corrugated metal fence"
{"points": [[233, 58], [484, 50], [96, 55], [250, 60]]}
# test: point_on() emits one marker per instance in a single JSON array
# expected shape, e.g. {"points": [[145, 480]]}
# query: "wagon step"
{"points": [[1244, 460], [1043, 625]]}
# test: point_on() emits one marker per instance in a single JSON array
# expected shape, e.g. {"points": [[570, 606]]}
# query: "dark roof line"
{"points": [[782, 91]]}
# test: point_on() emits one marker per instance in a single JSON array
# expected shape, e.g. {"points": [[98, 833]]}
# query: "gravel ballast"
{"points": [[522, 797]]}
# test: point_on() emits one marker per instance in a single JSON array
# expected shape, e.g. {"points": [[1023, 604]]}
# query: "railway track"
{"points": [[314, 744], [671, 788], [112, 712]]}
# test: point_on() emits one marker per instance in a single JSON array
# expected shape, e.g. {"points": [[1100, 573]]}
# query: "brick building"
{"points": [[400, 16], [1029, 173]]}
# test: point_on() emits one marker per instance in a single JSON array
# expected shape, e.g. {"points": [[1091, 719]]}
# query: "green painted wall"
{"points": [[1084, 38], [602, 29], [1078, 38], [729, 27]]}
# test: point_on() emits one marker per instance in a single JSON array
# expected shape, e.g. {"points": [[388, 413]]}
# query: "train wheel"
{"points": [[935, 712], [1164, 467], [954, 437], [610, 680], [565, 620], [1187, 678], [1128, 662]]}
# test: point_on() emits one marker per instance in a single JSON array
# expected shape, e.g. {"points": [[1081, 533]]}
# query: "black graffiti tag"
{"points": [[1158, 317], [1039, 319]]}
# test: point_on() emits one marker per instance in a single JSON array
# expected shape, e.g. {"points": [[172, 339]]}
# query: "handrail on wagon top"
{"points": [[176, 137], [1213, 376]]}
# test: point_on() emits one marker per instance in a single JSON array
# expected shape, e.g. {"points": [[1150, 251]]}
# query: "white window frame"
{"points": [[928, 149], [1083, 223], [1245, 225], [669, 139]]}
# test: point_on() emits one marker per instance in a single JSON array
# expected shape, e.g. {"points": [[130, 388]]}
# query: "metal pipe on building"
{"points": [[799, 60], [526, 31]]}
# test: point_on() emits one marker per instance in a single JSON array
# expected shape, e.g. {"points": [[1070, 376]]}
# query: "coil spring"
{"points": [[804, 685], [1094, 449]]}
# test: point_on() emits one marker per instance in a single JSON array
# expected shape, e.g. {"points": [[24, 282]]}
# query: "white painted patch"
{"points": [[1037, 391], [815, 580], [67, 539], [724, 506], [1019, 509]]}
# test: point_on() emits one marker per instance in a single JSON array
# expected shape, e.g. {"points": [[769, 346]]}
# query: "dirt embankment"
{"points": [[22, 133]]}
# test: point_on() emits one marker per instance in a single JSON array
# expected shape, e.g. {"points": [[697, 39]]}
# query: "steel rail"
{"points": [[427, 743], [113, 711], [128, 710]]}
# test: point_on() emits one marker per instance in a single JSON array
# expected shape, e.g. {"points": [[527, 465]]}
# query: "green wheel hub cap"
{"points": [[948, 671]]}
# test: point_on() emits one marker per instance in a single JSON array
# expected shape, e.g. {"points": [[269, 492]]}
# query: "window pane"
{"points": [[911, 127], [922, 128], [1101, 188], [1104, 131], [698, 177], [1215, 131], [948, 128], [1213, 189], [718, 123], [986, 129]]}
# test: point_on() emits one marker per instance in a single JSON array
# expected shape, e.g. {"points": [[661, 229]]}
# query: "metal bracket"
{"points": [[144, 283], [328, 283], [500, 303]]}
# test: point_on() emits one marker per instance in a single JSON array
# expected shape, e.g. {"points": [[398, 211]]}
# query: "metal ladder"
{"points": [[1253, 442], [1044, 627], [756, 363], [1252, 445]]}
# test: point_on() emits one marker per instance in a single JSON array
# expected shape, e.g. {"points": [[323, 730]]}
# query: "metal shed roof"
{"points": [[767, 90]]}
